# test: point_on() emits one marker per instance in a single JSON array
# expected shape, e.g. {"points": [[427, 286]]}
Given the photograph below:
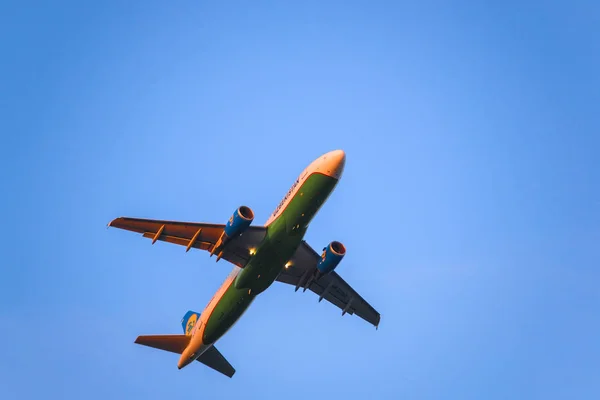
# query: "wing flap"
{"points": [[212, 358], [179, 240], [171, 343]]}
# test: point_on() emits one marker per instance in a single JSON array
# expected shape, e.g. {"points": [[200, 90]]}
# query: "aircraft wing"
{"points": [[330, 287], [198, 235]]}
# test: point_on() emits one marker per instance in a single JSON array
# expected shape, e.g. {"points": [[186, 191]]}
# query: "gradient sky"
{"points": [[469, 205]]}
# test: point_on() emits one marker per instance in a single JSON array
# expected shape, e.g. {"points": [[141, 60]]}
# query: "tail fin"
{"points": [[189, 320]]}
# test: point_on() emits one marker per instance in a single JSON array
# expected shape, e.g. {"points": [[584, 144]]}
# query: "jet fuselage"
{"points": [[285, 231]]}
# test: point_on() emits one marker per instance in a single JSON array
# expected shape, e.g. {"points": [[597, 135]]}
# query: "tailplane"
{"points": [[211, 357], [173, 343], [188, 321]]}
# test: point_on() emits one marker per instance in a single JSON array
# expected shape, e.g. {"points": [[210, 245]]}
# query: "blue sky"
{"points": [[469, 204]]}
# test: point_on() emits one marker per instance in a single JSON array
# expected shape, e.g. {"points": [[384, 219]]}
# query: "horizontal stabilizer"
{"points": [[172, 343], [177, 343], [214, 359]]}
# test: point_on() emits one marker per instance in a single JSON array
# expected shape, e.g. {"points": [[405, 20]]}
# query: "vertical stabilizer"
{"points": [[189, 321]]}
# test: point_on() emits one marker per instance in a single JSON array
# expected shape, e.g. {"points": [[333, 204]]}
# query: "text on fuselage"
{"points": [[287, 196]]}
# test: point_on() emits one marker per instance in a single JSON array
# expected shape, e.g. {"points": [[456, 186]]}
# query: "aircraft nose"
{"points": [[338, 155], [335, 161]]}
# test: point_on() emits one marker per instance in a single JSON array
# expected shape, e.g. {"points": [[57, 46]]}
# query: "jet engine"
{"points": [[331, 257], [239, 222]]}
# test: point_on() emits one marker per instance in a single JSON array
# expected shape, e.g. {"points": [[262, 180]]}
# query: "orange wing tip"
{"points": [[111, 223]]}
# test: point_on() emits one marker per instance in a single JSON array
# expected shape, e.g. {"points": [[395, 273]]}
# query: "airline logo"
{"points": [[190, 324]]}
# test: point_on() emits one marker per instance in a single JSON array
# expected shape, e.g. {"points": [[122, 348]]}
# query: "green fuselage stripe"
{"points": [[279, 245]]}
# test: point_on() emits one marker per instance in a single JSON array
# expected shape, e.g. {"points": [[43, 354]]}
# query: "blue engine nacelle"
{"points": [[239, 221], [331, 257]]}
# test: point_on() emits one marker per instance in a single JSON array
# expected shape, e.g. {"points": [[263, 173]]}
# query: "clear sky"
{"points": [[469, 205]]}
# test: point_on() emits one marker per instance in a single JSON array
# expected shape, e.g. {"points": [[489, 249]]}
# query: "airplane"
{"points": [[261, 255]]}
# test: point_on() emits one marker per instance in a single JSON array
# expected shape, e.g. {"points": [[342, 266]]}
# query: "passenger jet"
{"points": [[261, 255]]}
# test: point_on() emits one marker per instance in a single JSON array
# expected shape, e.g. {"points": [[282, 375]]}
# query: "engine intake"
{"points": [[239, 222], [331, 257]]}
